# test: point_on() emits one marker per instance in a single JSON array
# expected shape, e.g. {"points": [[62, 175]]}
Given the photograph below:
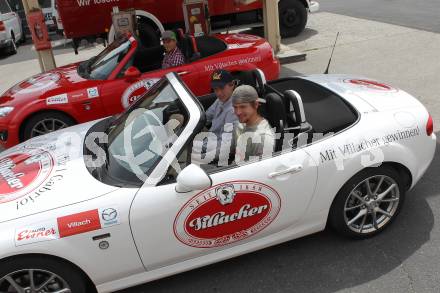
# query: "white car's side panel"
{"points": [[119, 260], [288, 197]]}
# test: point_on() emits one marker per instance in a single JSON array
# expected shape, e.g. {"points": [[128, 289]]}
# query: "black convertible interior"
{"points": [[193, 48], [294, 105]]}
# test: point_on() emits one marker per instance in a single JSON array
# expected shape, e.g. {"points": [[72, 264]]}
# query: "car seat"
{"points": [[189, 49], [276, 116], [253, 78]]}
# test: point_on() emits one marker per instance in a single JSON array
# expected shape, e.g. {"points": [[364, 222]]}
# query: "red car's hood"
{"points": [[58, 81]]}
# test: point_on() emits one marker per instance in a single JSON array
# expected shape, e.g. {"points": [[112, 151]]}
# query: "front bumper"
{"points": [[9, 136], [313, 6]]}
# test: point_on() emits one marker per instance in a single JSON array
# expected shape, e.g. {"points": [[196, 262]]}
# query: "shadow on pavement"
{"points": [[323, 262]]}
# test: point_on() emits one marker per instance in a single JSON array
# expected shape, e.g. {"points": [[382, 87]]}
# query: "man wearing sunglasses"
{"points": [[173, 56]]}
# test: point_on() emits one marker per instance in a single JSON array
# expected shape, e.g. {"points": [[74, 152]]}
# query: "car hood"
{"points": [[380, 96], [55, 82], [43, 174]]}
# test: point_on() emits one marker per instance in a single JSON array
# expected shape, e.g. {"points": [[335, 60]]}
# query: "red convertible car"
{"points": [[109, 82]]}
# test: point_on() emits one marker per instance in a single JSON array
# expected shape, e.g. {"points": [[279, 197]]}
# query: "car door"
{"points": [[119, 93], [265, 198], [244, 203]]}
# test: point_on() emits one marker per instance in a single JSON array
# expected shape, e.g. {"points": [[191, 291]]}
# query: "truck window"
{"points": [[4, 7], [45, 3]]}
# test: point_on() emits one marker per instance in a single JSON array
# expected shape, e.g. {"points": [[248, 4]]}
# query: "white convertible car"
{"points": [[118, 202]]}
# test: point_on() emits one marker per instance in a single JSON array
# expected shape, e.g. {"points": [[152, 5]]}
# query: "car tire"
{"points": [[358, 212], [292, 16], [147, 34], [13, 46], [40, 268], [44, 123]]}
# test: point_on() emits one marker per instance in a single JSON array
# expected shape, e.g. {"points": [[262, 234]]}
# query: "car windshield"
{"points": [[138, 139], [101, 66]]}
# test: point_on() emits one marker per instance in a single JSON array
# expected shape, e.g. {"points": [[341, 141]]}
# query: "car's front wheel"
{"points": [[368, 202], [37, 274], [44, 123]]}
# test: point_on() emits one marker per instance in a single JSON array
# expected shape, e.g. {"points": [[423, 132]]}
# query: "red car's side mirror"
{"points": [[132, 72]]}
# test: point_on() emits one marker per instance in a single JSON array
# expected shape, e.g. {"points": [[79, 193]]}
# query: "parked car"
{"points": [[11, 32], [109, 82], [146, 211], [51, 17]]}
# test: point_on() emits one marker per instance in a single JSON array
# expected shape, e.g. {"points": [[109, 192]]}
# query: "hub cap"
{"points": [[47, 126], [33, 281], [371, 204], [289, 17]]}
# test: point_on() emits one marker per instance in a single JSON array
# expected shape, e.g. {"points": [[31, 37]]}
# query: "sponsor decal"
{"points": [[37, 83], [351, 149], [23, 172], [58, 99], [226, 213], [133, 92], [92, 92], [225, 64], [68, 226], [371, 84], [36, 233], [41, 173]]}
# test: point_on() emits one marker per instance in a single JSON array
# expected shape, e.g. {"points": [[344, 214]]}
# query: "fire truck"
{"points": [[91, 19]]}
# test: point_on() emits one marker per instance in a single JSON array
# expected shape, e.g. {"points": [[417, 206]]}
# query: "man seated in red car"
{"points": [[173, 55]]}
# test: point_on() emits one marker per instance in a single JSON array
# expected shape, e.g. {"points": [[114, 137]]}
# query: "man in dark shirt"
{"points": [[173, 56]]}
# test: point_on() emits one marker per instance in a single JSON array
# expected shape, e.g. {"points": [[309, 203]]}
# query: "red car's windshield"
{"points": [[101, 66]]}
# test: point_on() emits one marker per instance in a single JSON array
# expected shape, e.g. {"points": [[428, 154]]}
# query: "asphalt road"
{"points": [[415, 14]]}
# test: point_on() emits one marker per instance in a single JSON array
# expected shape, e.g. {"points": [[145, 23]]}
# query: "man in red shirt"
{"points": [[173, 56]]}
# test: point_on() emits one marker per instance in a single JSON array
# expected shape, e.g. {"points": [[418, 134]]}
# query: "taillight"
{"points": [[429, 126], [2, 26]]}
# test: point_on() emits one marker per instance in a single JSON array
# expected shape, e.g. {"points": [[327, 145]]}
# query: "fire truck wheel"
{"points": [[147, 34], [293, 17]]}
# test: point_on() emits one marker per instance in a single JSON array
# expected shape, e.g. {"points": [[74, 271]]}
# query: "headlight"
{"points": [[5, 111]]}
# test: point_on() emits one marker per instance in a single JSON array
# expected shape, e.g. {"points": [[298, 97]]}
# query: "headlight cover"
{"points": [[4, 111]]}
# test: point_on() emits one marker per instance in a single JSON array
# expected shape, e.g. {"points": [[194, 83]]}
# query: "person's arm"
{"points": [[211, 112]]}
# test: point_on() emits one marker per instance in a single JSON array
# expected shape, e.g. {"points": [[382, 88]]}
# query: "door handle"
{"points": [[180, 73], [291, 170]]}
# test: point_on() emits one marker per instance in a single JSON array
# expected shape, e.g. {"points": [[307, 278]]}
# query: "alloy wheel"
{"points": [[47, 126], [33, 281], [371, 204]]}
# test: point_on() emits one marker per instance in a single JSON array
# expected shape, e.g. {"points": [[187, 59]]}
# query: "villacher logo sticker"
{"points": [[23, 172], [371, 84], [136, 90], [226, 213]]}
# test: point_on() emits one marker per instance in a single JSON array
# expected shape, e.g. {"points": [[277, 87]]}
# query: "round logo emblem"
{"points": [[133, 92], [226, 213], [21, 173], [370, 84], [37, 83]]}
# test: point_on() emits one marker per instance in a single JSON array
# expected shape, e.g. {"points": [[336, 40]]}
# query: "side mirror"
{"points": [[132, 72], [192, 178]]}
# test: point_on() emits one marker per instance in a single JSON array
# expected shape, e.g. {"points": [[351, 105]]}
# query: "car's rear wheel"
{"points": [[44, 123], [13, 46], [40, 274], [292, 17], [368, 202]]}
